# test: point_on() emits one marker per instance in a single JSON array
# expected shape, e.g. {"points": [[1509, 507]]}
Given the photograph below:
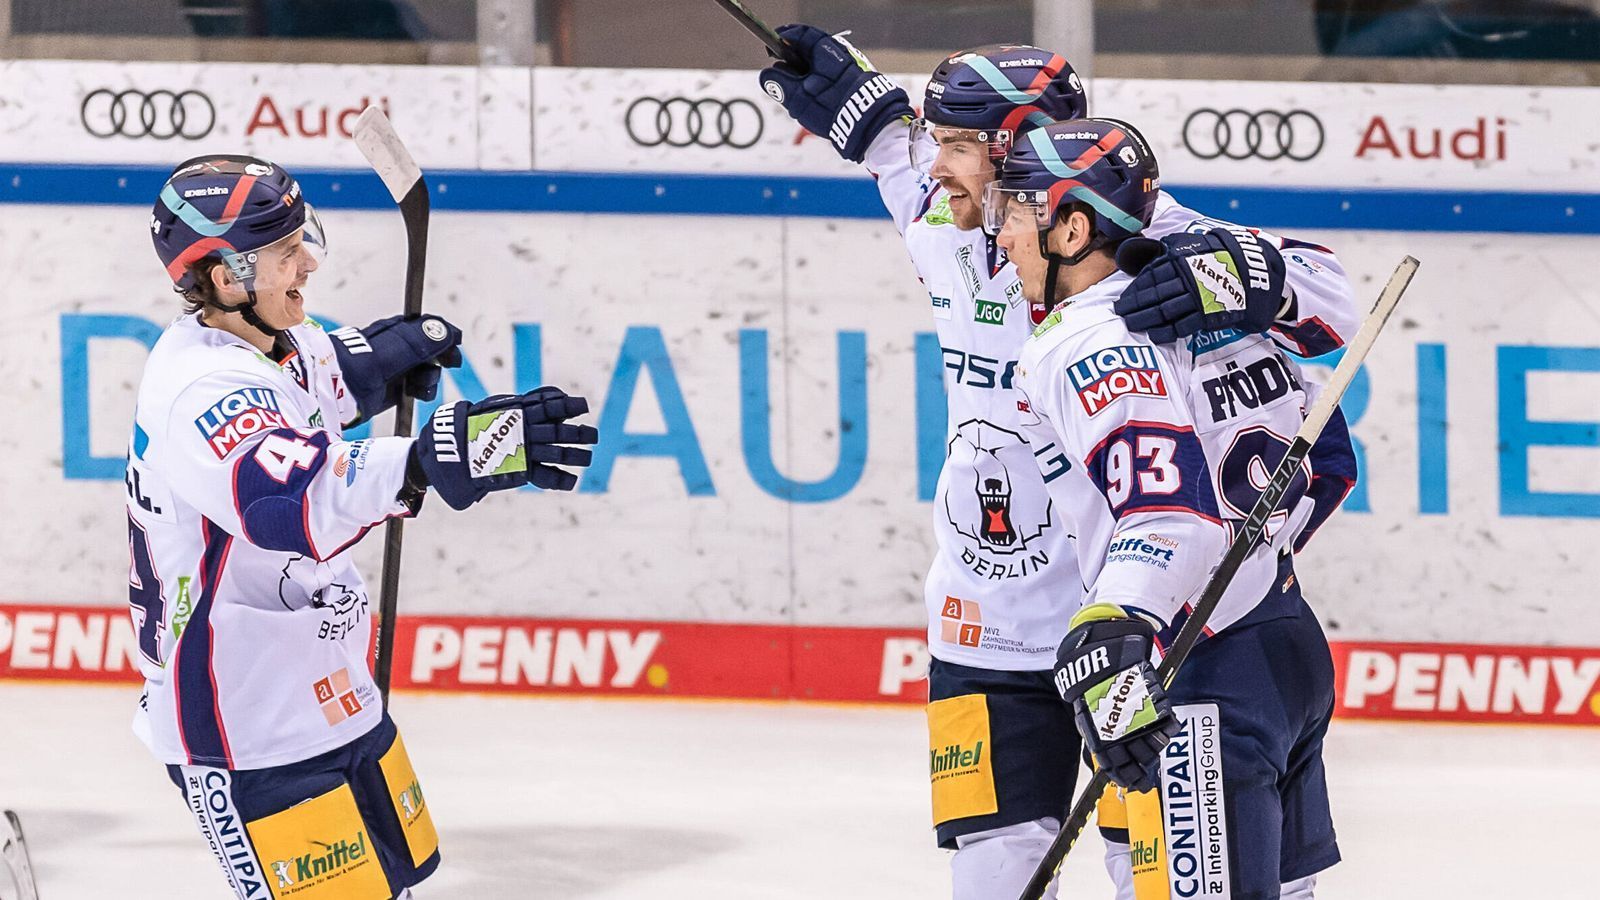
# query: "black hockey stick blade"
{"points": [[14, 862], [1244, 541], [776, 45], [378, 142]]}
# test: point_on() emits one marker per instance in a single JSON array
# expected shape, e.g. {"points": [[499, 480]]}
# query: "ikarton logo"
{"points": [[511, 655], [1471, 683]]}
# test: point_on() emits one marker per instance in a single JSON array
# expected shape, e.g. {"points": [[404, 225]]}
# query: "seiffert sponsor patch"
{"points": [[494, 444]]}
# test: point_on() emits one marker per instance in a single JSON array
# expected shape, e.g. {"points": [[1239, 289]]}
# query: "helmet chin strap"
{"points": [[1057, 260], [242, 266], [247, 312]]}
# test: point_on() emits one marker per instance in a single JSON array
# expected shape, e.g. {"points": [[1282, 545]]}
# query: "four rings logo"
{"points": [[162, 115], [682, 122], [1266, 135]]}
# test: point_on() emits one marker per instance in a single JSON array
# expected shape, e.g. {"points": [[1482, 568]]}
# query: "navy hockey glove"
{"points": [[840, 97], [394, 353], [500, 443], [1103, 670], [1187, 283]]}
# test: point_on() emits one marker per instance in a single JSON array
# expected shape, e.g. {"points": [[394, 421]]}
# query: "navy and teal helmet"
{"points": [[1102, 166], [996, 93], [226, 207]]}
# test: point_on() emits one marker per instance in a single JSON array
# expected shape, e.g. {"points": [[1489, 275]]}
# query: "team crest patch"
{"points": [[1106, 376], [237, 416]]}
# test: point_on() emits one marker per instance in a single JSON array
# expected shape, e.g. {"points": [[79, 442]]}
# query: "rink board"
{"points": [[762, 367], [1420, 682]]}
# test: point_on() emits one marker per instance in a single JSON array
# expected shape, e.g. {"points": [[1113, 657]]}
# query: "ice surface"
{"points": [[610, 799]]}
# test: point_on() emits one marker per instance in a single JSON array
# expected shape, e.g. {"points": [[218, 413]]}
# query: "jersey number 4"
{"points": [[145, 593], [279, 456]]}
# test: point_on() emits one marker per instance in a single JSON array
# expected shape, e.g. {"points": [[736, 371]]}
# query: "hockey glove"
{"points": [[1187, 283], [1103, 670], [500, 443], [394, 353], [840, 96]]}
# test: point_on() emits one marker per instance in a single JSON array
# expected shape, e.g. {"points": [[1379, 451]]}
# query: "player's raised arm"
{"points": [[860, 111]]}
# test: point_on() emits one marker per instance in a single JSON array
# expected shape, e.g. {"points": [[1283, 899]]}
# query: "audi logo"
{"points": [[162, 115], [1241, 134], [682, 122]]}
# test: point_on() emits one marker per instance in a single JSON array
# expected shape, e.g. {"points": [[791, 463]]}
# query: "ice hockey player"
{"points": [[1004, 582], [243, 496], [1151, 451]]}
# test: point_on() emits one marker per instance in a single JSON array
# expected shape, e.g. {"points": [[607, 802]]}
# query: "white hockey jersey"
{"points": [[1004, 582], [253, 624], [1155, 452]]}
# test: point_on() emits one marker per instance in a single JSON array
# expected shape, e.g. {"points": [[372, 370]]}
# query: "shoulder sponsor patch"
{"points": [[238, 415], [1105, 376]]}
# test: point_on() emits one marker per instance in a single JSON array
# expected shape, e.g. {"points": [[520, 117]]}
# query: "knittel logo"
{"points": [[955, 759], [320, 865], [238, 415], [1108, 375], [961, 622]]}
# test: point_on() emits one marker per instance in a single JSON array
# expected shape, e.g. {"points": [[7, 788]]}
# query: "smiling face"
{"points": [[282, 269], [963, 168]]}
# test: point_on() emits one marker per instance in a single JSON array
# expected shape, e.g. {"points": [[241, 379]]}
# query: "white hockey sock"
{"points": [[1298, 889], [999, 862], [1119, 865]]}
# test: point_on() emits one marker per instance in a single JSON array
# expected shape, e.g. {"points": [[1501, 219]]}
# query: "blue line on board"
{"points": [[855, 198]]}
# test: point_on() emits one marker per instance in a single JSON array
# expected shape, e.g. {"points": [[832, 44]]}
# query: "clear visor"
{"points": [[313, 238], [961, 151], [1000, 205], [316, 239]]}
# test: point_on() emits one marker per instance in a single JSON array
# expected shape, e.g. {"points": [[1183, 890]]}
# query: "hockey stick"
{"points": [[1243, 542], [14, 857], [376, 139], [777, 46]]}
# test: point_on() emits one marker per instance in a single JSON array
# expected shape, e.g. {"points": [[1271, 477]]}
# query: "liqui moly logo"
{"points": [[1102, 377], [237, 416]]}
